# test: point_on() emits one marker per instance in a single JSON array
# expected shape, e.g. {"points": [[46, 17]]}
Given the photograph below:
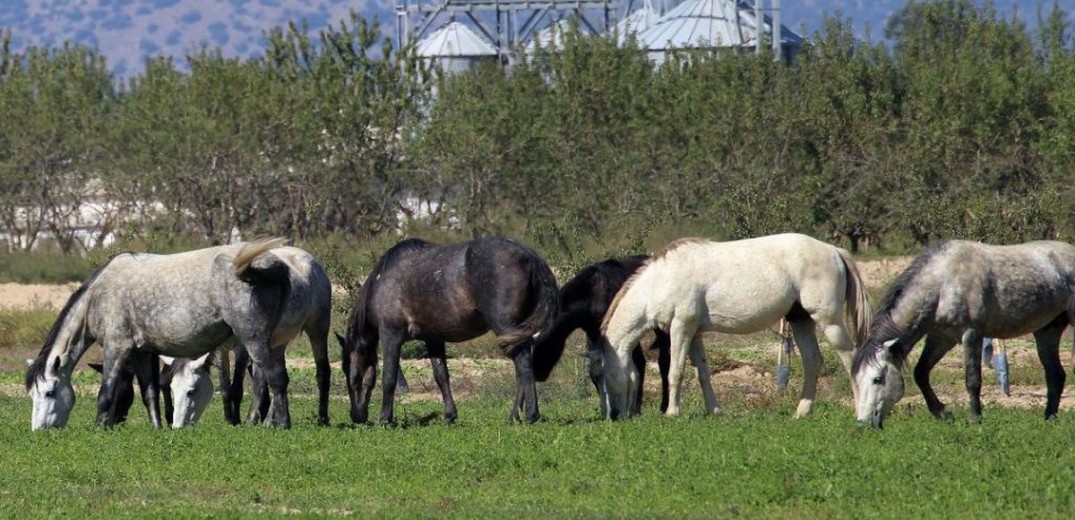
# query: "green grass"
{"points": [[753, 461], [744, 464]]}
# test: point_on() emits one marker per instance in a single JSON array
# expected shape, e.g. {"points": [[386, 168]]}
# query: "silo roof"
{"points": [[705, 23], [454, 40], [639, 20]]}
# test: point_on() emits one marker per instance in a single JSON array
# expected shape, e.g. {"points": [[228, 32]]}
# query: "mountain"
{"points": [[127, 31]]}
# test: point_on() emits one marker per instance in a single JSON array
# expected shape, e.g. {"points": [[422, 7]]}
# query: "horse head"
{"points": [[880, 384], [613, 380], [49, 385], [192, 389]]}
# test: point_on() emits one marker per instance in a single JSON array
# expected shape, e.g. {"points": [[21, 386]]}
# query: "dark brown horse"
{"points": [[584, 300], [448, 293]]}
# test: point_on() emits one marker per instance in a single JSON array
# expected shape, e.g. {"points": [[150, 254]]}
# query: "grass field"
{"points": [[753, 461]]}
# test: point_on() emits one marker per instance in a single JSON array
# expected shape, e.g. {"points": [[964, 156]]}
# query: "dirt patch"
{"points": [[35, 296], [879, 273]]}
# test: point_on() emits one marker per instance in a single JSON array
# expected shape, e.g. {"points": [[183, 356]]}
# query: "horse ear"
{"points": [[56, 365], [200, 362], [98, 367], [167, 360], [29, 362]]}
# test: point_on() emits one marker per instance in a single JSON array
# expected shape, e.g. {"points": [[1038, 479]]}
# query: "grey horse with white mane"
{"points": [[959, 291], [139, 306]]}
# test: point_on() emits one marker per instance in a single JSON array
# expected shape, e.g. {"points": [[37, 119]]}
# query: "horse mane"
{"points": [[658, 256], [676, 244], [883, 327], [356, 322], [37, 366]]}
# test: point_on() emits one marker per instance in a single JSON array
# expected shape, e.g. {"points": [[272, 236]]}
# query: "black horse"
{"points": [[448, 293], [584, 300]]}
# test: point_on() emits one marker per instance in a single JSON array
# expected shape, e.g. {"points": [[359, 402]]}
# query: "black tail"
{"points": [[541, 319]]}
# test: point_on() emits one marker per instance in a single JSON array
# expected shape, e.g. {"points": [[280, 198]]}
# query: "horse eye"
{"points": [[878, 380], [51, 394], [190, 393]]}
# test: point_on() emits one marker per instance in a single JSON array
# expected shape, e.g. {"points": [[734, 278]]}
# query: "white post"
{"points": [[759, 29], [776, 30]]}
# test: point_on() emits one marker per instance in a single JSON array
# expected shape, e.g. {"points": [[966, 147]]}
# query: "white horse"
{"points": [[139, 306], [695, 285]]}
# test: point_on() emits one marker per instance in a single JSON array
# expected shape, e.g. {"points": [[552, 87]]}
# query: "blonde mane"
{"points": [[659, 255], [251, 250]]}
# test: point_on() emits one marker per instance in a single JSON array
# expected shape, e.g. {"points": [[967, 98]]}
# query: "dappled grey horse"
{"points": [[447, 293], [138, 306], [960, 291]]}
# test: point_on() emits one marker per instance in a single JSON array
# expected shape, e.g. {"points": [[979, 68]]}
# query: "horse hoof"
{"points": [[946, 416], [975, 419]]}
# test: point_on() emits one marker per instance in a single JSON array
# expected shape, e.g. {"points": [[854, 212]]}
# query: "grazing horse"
{"points": [[695, 285], [448, 293], [584, 300], [308, 309], [960, 291], [139, 306]]}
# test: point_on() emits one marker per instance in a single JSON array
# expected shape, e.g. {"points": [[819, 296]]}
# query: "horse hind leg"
{"points": [[147, 369], [233, 393], [1048, 343], [273, 370], [525, 384], [260, 400], [806, 339], [837, 336], [438, 360]]}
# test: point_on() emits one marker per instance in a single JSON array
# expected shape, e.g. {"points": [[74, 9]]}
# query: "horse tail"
{"points": [[259, 273], [541, 319], [857, 299]]}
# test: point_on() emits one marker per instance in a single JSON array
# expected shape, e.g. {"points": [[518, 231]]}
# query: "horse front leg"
{"points": [[526, 387], [391, 342], [664, 360], [438, 360], [972, 372], [697, 355], [1048, 343], [319, 346], [147, 370], [681, 334], [932, 353], [638, 358], [111, 378]]}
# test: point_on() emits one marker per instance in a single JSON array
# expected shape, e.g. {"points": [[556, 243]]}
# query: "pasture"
{"points": [[753, 461]]}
